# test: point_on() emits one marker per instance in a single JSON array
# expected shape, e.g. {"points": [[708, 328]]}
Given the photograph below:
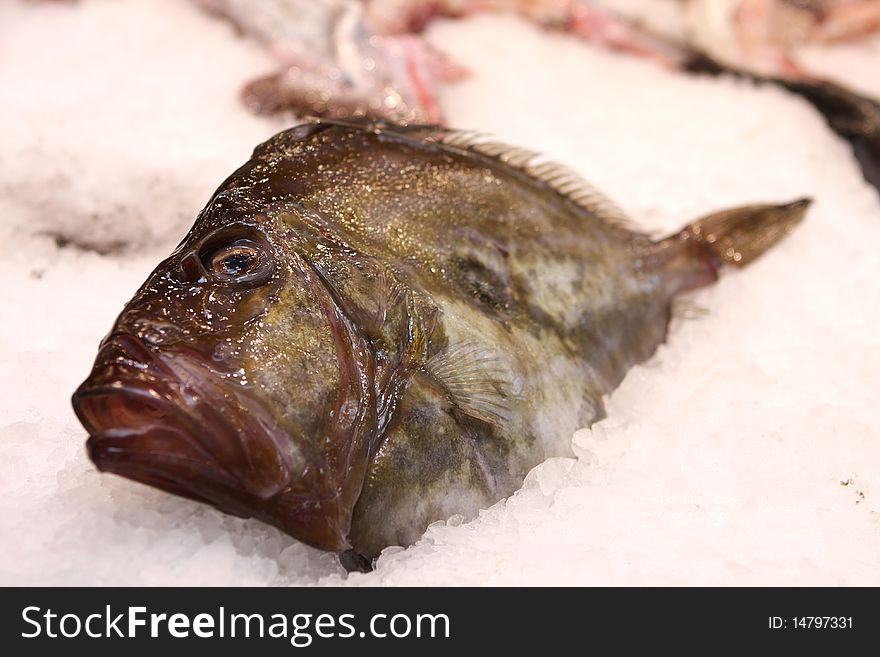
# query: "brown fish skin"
{"points": [[371, 327]]}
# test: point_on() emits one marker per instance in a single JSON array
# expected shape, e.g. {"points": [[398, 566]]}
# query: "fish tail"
{"points": [[693, 257]]}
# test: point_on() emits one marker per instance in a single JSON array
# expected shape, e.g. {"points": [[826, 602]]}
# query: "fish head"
{"points": [[232, 378]]}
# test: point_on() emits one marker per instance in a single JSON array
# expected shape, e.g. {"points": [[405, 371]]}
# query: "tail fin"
{"points": [[693, 257]]}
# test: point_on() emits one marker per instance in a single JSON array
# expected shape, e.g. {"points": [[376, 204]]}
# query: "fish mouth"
{"points": [[159, 421], [170, 421], [134, 434]]}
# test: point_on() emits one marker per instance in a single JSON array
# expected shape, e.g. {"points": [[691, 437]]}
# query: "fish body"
{"points": [[372, 327]]}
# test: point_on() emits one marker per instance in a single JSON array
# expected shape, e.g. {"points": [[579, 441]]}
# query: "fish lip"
{"points": [[172, 450], [137, 393], [86, 395], [187, 470], [151, 468]]}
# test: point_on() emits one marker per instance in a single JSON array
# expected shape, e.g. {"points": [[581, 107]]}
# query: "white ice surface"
{"points": [[723, 459]]}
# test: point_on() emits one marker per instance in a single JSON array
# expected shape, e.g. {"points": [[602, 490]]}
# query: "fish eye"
{"points": [[235, 260], [238, 255]]}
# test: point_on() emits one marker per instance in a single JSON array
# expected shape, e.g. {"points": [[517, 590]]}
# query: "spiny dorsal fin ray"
{"points": [[554, 175], [558, 177]]}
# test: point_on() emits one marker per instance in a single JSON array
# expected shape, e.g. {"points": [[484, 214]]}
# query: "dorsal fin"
{"points": [[560, 178]]}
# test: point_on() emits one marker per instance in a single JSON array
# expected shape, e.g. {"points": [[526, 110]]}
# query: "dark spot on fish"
{"points": [[488, 286]]}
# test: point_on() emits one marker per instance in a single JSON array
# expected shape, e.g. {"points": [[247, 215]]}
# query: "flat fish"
{"points": [[372, 327]]}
